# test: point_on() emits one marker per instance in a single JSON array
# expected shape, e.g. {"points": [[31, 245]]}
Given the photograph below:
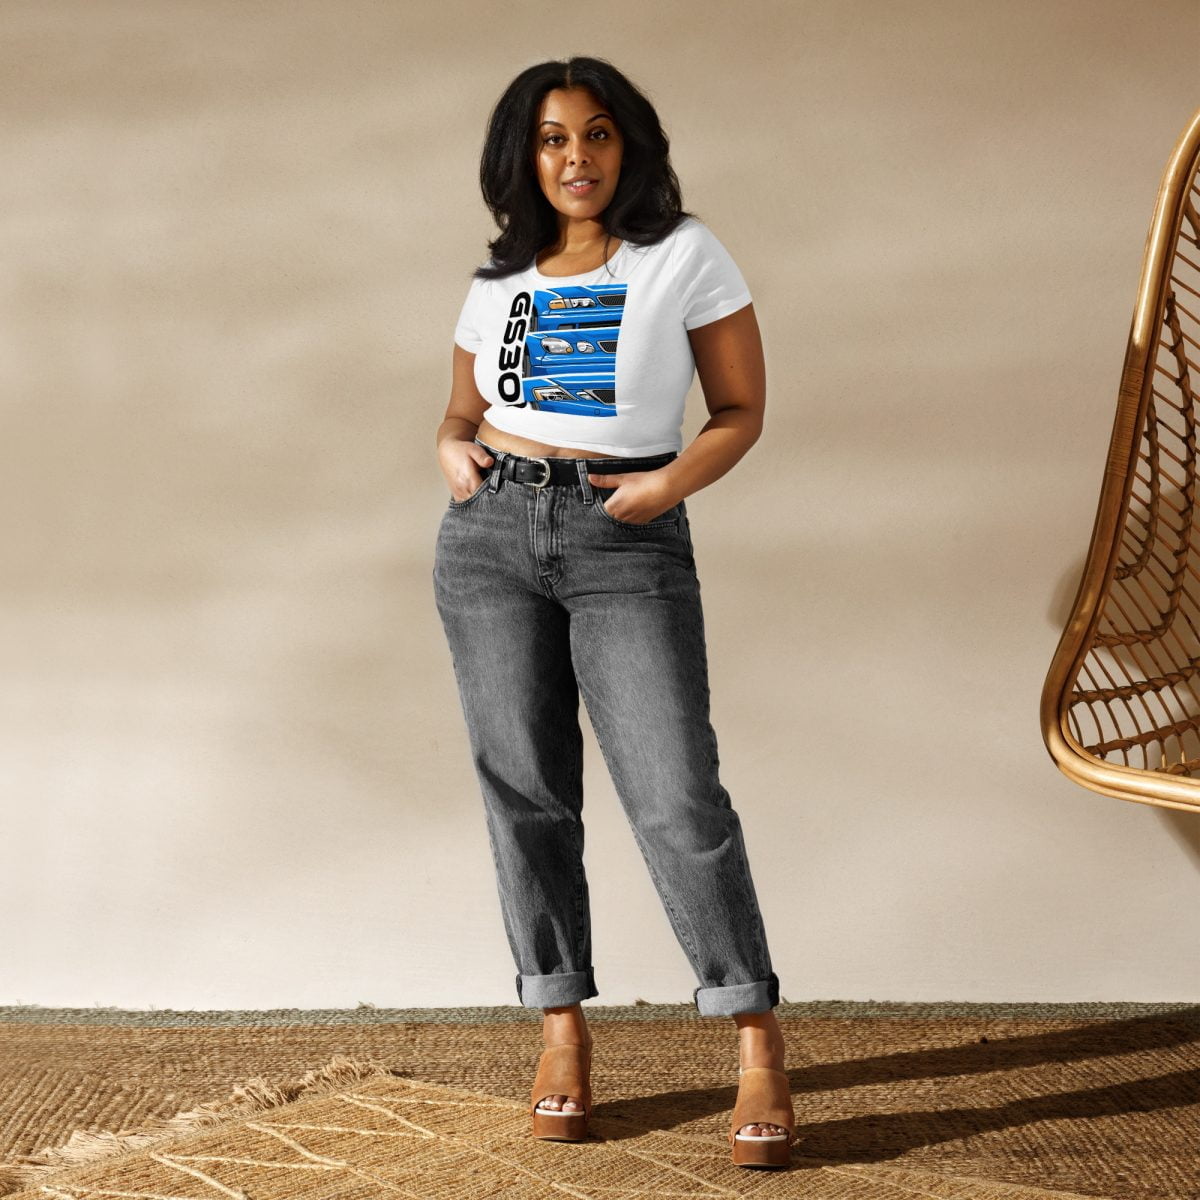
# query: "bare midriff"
{"points": [[524, 446]]}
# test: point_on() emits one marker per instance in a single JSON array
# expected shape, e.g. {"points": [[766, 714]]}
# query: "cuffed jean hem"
{"points": [[556, 991], [737, 998]]}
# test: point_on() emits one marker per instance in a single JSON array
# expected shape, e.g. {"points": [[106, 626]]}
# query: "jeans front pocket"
{"points": [[474, 495], [666, 520]]}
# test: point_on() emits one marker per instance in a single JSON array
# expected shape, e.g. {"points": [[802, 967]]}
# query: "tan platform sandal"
{"points": [[764, 1098], [563, 1070]]}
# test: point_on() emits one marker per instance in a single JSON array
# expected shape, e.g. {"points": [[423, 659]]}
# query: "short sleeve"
{"points": [[466, 332], [708, 280]]}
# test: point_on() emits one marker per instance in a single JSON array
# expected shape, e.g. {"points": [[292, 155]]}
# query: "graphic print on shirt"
{"points": [[569, 357]]}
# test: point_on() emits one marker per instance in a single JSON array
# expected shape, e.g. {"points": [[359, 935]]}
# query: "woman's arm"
{"points": [[458, 453], [733, 376]]}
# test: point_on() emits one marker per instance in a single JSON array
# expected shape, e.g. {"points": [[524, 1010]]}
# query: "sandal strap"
{"points": [[564, 1070], [764, 1098]]}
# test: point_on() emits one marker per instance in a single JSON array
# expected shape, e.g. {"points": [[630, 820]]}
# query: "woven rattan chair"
{"points": [[1121, 703]]}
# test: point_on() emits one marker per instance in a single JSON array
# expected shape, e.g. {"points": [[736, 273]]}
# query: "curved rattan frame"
{"points": [[1167, 785]]}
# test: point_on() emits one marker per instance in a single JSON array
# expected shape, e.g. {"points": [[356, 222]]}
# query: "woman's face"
{"points": [[575, 138]]}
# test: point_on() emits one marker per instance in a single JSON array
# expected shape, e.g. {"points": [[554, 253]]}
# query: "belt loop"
{"points": [[497, 469], [584, 483]]}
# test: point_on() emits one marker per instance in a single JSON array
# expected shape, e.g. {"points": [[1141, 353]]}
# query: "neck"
{"points": [[576, 236]]}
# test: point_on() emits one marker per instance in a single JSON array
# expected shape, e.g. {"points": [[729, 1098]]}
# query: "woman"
{"points": [[564, 562]]}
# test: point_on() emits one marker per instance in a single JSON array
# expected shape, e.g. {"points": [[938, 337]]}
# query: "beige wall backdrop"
{"points": [[235, 239]]}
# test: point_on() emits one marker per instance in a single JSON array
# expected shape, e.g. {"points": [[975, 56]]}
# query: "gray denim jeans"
{"points": [[543, 596]]}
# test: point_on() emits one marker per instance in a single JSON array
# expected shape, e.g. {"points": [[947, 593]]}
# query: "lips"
{"points": [[581, 186]]}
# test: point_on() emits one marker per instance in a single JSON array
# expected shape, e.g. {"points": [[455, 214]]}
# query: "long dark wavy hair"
{"points": [[647, 203]]}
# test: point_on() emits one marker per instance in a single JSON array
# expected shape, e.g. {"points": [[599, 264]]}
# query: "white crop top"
{"points": [[600, 360]]}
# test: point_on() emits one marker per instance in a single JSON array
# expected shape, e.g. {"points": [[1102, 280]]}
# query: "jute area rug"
{"points": [[956, 1101]]}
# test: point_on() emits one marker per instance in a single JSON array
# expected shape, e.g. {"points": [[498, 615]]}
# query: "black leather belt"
{"points": [[542, 472]]}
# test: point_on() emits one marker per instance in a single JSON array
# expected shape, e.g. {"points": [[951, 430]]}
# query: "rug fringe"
{"points": [[253, 1096]]}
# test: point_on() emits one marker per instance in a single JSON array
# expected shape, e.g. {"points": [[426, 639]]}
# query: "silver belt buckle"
{"points": [[541, 483]]}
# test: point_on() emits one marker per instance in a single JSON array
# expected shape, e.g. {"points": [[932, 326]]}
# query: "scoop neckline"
{"points": [[617, 253]]}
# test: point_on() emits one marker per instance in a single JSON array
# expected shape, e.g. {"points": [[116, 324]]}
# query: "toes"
{"points": [[760, 1130]]}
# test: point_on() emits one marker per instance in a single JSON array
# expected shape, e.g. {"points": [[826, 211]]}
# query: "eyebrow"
{"points": [[590, 119]]}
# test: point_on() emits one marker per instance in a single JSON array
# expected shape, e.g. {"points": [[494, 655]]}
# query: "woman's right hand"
{"points": [[462, 462]]}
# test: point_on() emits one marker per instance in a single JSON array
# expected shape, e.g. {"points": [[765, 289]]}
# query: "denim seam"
{"points": [[573, 784], [684, 930], [555, 515], [679, 926], [543, 501], [757, 930], [531, 515], [509, 932]]}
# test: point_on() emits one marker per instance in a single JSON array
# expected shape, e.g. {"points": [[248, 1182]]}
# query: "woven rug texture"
{"points": [[963, 1107]]}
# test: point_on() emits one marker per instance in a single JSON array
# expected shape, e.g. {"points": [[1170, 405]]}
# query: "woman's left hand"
{"points": [[640, 496]]}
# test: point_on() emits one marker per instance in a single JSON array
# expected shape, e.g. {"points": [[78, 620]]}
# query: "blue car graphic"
{"points": [[585, 395], [569, 364], [572, 351], [578, 307]]}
